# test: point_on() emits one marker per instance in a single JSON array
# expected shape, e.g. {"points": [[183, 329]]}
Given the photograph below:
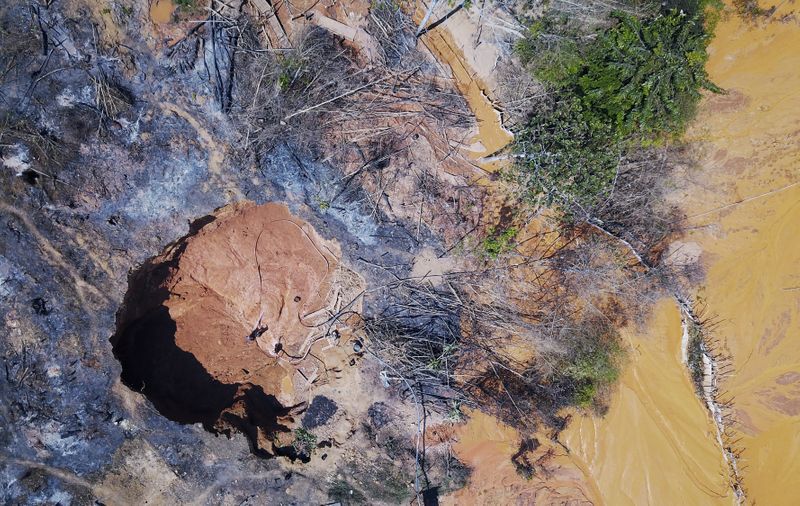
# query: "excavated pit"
{"points": [[220, 328]]}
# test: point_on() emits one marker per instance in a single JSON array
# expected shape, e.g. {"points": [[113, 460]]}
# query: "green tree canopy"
{"points": [[645, 78], [631, 85]]}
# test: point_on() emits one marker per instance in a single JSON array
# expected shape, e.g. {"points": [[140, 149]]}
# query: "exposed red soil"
{"points": [[220, 327], [255, 267]]}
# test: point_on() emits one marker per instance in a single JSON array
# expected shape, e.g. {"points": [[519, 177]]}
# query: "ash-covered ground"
{"points": [[115, 135]]}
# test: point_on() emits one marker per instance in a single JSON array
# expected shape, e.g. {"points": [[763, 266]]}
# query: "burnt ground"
{"points": [[112, 143]]}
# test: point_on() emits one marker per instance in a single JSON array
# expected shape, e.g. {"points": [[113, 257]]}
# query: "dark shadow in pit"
{"points": [[176, 383]]}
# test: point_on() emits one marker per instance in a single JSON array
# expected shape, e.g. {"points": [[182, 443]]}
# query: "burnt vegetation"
{"points": [[321, 92], [531, 325]]}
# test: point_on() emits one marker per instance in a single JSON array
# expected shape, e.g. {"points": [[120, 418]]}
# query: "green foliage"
{"points": [[566, 157], [304, 441], [585, 394], [634, 84], [596, 365], [389, 5], [437, 362], [292, 70], [466, 3], [550, 50], [497, 242], [186, 3], [323, 204], [593, 363], [645, 78], [455, 415], [284, 81]]}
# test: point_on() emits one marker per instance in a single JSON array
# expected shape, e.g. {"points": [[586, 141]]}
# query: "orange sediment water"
{"points": [[491, 135], [656, 444], [750, 142], [487, 446], [161, 11]]}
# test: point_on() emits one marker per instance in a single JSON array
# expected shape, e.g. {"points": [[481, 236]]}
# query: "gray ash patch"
{"points": [[379, 415], [319, 412]]}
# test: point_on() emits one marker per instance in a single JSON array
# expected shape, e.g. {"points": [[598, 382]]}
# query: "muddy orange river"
{"points": [[491, 135], [657, 443]]}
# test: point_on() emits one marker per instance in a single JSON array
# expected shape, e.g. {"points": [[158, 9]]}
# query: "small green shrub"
{"points": [[585, 394], [305, 441], [550, 50], [455, 415], [322, 203], [292, 70], [593, 362], [497, 243]]}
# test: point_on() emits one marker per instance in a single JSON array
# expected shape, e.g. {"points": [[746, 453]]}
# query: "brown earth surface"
{"points": [[220, 328], [255, 268]]}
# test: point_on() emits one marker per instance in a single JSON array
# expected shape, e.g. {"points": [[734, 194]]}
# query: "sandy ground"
{"points": [[744, 208]]}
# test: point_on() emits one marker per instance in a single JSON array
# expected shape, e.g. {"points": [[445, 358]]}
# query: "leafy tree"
{"points": [[645, 78], [565, 158], [635, 83]]}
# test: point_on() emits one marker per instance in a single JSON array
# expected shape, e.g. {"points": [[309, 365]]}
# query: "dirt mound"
{"points": [[216, 329]]}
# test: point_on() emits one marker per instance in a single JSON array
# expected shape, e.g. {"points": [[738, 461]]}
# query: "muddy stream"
{"points": [[446, 46], [657, 443]]}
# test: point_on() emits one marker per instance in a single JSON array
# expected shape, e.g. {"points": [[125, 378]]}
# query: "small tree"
{"points": [[645, 78], [636, 82], [563, 157]]}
